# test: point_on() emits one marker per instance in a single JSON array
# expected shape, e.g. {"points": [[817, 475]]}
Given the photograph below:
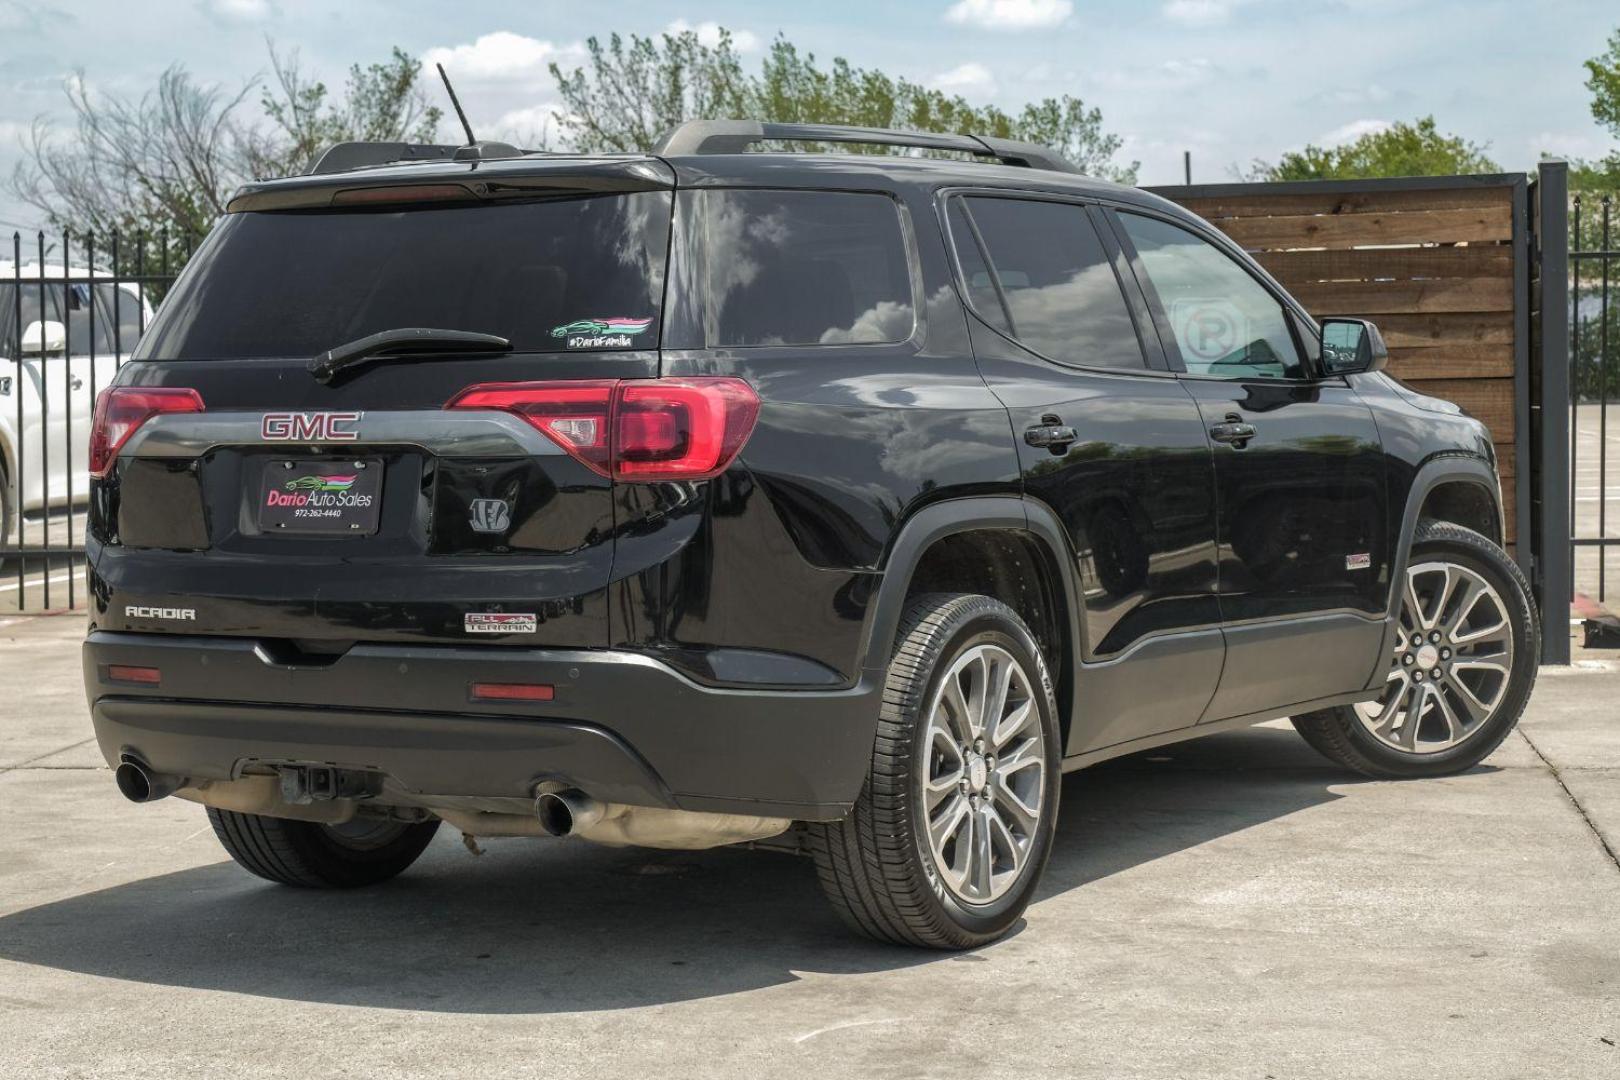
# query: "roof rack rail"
{"points": [[736, 136], [342, 157]]}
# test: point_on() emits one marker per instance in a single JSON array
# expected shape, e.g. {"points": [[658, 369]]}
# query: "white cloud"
{"points": [[966, 78], [1198, 12], [1571, 145], [743, 41], [1354, 130], [503, 57], [1010, 14], [1173, 74], [1371, 94], [239, 11], [531, 126]]}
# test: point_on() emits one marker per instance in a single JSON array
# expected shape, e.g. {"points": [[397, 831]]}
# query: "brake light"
{"points": [[413, 193], [121, 410], [640, 430]]}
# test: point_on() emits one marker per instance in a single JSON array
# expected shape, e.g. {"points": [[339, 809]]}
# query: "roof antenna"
{"points": [[472, 140]]}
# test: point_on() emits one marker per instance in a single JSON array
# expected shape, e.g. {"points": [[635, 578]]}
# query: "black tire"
{"points": [[8, 513], [314, 856], [875, 865], [1339, 733]]}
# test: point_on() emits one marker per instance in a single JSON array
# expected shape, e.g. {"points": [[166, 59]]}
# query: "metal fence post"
{"points": [[1552, 401]]}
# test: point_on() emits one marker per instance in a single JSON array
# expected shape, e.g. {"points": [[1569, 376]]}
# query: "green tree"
{"points": [[1603, 79], [169, 160], [631, 91], [381, 103], [1402, 149]]}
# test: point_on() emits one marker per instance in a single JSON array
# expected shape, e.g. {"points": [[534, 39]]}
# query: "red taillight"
{"points": [[121, 410], [653, 429], [495, 691], [145, 676], [685, 429]]}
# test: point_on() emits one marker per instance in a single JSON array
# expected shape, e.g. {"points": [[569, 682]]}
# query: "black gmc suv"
{"points": [[707, 496]]}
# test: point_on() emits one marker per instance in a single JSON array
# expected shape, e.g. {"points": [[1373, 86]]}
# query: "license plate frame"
{"points": [[320, 497]]}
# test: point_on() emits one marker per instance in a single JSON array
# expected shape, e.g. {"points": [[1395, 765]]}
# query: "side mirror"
{"points": [[1351, 346], [41, 338]]}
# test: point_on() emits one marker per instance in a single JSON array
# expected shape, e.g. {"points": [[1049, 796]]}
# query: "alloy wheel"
{"points": [[1452, 661], [984, 775]]}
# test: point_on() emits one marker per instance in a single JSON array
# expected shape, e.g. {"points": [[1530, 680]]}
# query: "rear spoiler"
{"points": [[529, 176], [343, 157]]}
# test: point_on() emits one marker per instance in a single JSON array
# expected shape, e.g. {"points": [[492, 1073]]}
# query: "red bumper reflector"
{"points": [[146, 676], [500, 691]]}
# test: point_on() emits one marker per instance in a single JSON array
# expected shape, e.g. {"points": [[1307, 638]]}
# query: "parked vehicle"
{"points": [[63, 334], [856, 500]]}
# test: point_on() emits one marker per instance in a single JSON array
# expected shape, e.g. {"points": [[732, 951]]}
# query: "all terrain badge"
{"points": [[601, 333], [501, 622]]}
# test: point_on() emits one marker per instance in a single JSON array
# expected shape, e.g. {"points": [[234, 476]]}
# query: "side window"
{"points": [[32, 312], [802, 268], [120, 307], [81, 326], [981, 292], [1227, 325], [1044, 279]]}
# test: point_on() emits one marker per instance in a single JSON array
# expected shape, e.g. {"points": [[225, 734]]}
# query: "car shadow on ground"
{"points": [[532, 927]]}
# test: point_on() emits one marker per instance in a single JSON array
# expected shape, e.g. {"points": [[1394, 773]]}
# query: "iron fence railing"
{"points": [[72, 308], [1594, 390]]}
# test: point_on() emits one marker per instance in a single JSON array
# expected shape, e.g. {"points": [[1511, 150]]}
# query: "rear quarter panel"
{"points": [[767, 573]]}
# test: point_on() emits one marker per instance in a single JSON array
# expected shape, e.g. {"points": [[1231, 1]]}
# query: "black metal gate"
{"points": [[1594, 500], [71, 311]]}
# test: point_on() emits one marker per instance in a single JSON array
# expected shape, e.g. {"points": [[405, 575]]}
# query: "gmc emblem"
{"points": [[309, 427]]}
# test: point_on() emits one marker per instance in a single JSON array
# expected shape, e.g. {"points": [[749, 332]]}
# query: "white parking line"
{"points": [[33, 582]]}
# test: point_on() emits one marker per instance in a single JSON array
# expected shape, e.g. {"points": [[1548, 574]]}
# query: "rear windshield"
{"points": [[560, 275]]}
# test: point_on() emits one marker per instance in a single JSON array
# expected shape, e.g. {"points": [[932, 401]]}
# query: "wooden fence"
{"points": [[1432, 261]]}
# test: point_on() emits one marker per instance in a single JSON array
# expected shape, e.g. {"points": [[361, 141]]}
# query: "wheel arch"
{"points": [[1453, 484], [1006, 546], [1466, 502]]}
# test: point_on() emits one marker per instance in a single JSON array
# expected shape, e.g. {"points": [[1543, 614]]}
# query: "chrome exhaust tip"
{"points": [[563, 813], [139, 785]]}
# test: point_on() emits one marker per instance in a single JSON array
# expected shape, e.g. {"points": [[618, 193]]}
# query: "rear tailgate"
{"points": [[363, 510]]}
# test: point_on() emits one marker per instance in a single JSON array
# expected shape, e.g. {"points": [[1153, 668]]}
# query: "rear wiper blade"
{"points": [[407, 342]]}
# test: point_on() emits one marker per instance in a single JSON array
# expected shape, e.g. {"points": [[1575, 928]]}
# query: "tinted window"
{"points": [[121, 310], [1225, 322], [566, 274], [1062, 298], [85, 332], [981, 293], [801, 268]]}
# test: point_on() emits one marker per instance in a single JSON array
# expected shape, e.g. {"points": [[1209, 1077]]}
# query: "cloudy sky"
{"points": [[1229, 80]]}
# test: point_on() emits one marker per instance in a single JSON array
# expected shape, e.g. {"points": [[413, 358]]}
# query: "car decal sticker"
{"points": [[602, 332]]}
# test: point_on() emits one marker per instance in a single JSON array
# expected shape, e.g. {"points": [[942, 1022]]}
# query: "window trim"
{"points": [[697, 254], [1151, 357], [1292, 313]]}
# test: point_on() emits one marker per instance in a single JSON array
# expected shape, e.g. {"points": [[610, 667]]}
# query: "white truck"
{"points": [[63, 335]]}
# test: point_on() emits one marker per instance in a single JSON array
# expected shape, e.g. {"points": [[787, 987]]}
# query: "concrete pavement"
{"points": [[1233, 907]]}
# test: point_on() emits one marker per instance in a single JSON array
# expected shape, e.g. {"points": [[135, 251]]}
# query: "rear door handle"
{"points": [[1235, 432], [1054, 436]]}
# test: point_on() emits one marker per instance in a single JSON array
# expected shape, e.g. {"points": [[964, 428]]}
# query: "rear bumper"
{"points": [[621, 726]]}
